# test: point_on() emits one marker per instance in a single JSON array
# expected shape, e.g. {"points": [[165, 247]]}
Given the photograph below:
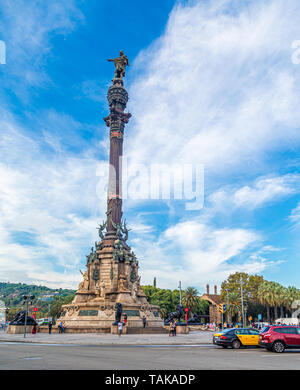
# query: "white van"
{"points": [[287, 321]]}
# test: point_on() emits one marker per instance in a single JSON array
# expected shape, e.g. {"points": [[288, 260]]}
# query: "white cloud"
{"points": [[295, 215], [218, 88], [28, 29], [52, 200], [197, 254], [262, 192]]}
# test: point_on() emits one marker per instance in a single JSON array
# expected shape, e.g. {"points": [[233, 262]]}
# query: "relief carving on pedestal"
{"points": [[72, 310], [134, 291], [122, 283], [85, 284], [96, 276]]}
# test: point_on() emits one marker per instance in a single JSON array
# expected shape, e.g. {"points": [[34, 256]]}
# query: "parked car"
{"points": [[236, 338], [278, 338]]}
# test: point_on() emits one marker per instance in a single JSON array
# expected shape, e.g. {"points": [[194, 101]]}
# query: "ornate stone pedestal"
{"points": [[109, 280]]}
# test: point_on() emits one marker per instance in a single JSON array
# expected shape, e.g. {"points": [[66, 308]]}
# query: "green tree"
{"points": [[56, 305], [166, 299], [265, 296], [250, 283], [201, 307], [234, 304], [190, 299], [292, 294]]}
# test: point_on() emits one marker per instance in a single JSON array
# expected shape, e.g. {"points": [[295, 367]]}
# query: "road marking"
{"points": [[274, 355], [211, 346], [32, 358]]}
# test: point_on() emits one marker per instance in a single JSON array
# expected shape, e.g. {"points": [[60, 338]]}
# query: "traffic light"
{"points": [[222, 308]]}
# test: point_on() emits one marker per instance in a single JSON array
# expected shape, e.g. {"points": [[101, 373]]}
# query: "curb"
{"points": [[104, 345]]}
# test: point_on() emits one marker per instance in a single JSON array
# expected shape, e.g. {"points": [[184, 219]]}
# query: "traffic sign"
{"points": [[35, 309], [186, 309]]}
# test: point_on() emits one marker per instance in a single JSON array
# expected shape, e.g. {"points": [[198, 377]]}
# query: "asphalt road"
{"points": [[80, 357]]}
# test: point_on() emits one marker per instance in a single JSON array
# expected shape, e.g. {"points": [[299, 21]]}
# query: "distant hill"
{"points": [[12, 293]]}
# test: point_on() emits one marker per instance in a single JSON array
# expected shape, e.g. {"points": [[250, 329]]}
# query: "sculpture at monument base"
{"points": [[20, 319], [175, 315], [197, 319], [118, 308]]}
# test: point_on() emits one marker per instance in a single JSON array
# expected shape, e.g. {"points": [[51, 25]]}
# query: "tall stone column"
{"points": [[117, 98], [111, 275]]}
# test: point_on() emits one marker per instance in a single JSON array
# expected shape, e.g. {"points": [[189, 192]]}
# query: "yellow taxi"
{"points": [[236, 337]]}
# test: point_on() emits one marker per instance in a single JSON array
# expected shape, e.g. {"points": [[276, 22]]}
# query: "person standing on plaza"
{"points": [[120, 328], [174, 324], [144, 321], [50, 327], [171, 329], [34, 328]]}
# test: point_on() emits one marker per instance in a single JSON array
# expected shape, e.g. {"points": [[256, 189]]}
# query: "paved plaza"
{"points": [[200, 337]]}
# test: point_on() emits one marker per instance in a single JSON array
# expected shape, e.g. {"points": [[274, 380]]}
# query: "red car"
{"points": [[279, 338]]}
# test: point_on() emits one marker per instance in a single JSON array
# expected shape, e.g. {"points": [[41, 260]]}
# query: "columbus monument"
{"points": [[111, 282]]}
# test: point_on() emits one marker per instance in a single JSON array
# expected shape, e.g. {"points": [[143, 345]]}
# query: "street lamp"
{"points": [[180, 294], [242, 301], [27, 299]]}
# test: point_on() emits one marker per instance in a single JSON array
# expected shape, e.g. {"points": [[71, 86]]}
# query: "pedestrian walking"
{"points": [[144, 321], [34, 329], [174, 328], [171, 329], [50, 327], [120, 328], [63, 327]]}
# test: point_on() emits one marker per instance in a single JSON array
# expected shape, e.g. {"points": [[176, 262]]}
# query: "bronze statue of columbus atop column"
{"points": [[117, 98]]}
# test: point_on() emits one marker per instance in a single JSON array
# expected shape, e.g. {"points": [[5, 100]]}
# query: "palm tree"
{"points": [[163, 313], [190, 298], [265, 297], [234, 304], [292, 294], [276, 297], [282, 299]]}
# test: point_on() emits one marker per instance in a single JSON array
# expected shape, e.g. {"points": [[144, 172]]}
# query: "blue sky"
{"points": [[210, 82]]}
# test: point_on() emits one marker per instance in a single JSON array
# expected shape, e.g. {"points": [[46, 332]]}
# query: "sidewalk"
{"points": [[194, 337]]}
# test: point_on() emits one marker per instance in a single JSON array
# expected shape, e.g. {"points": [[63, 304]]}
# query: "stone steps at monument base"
{"points": [[147, 330]]}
